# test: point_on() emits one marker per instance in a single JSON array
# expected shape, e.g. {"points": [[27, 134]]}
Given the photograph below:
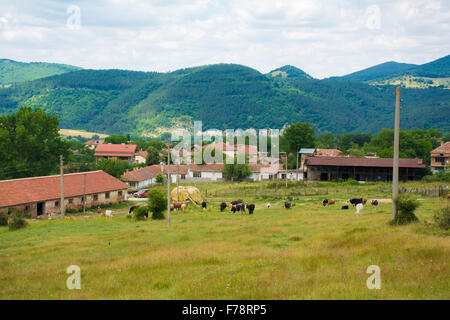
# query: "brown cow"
{"points": [[331, 202], [175, 205]]}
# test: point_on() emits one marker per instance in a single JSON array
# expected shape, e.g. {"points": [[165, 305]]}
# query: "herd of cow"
{"points": [[359, 203], [240, 206]]}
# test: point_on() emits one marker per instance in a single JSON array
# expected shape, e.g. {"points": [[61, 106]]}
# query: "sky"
{"points": [[323, 38]]}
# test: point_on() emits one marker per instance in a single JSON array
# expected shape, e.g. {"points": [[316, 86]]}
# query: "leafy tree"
{"points": [[30, 144], [157, 144], [236, 171], [299, 135], [159, 178], [157, 203], [152, 156], [114, 167], [116, 139], [446, 138], [327, 141]]}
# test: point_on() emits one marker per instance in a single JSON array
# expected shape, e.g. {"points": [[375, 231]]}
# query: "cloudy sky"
{"points": [[322, 37]]}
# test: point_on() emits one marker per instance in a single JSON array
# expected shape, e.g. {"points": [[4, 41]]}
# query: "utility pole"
{"points": [[296, 173], [61, 169], [168, 185], [178, 174], [84, 194], [260, 185], [396, 151]]}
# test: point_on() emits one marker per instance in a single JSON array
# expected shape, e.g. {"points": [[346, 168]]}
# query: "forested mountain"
{"points": [[432, 74], [223, 96], [13, 72]]}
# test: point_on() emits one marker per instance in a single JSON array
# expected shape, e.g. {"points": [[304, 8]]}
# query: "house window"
{"points": [[197, 174], [283, 176], [439, 159], [27, 208], [120, 193], [106, 195], [95, 197], [70, 201], [183, 177], [56, 203]]}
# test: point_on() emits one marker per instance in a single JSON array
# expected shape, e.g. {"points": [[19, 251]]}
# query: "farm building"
{"points": [[372, 169], [126, 152], [42, 195], [92, 144], [440, 158]]}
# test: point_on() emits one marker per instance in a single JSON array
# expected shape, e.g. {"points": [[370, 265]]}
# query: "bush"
{"points": [[438, 177], [349, 181], [140, 213], [3, 220], [159, 178], [157, 203], [442, 218], [17, 223], [405, 210]]}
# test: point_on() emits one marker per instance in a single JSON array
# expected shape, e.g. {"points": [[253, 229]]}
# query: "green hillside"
{"points": [[289, 72], [12, 72], [432, 74], [223, 96]]}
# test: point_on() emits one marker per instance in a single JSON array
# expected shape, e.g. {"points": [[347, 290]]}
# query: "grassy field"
{"points": [[308, 252]]}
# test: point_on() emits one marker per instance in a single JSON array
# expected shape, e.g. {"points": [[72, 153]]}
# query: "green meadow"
{"points": [[307, 252]]}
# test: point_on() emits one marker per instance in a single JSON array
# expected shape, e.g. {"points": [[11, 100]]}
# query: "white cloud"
{"points": [[323, 38]]}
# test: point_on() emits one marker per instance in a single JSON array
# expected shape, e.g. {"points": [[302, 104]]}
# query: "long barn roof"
{"points": [[363, 162], [37, 189]]}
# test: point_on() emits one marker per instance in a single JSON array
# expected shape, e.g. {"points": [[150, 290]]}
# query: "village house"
{"points": [[359, 168], [38, 196], [440, 158], [125, 152], [141, 157], [92, 144], [328, 152]]}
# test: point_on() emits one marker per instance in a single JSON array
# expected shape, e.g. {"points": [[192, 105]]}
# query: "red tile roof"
{"points": [[119, 150], [363, 162], [141, 174], [213, 167], [143, 154], [36, 189], [328, 152], [445, 148]]}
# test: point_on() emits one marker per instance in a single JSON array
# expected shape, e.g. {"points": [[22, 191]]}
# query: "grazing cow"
{"points": [[183, 207], [108, 213], [344, 207], [223, 205], [374, 203], [359, 208], [176, 205], [204, 205], [325, 202], [364, 201], [132, 209], [355, 201], [268, 204], [287, 205], [251, 208], [448, 196], [331, 202], [236, 202], [233, 209], [240, 207]]}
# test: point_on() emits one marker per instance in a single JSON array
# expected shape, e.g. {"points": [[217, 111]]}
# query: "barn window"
{"points": [[106, 195]]}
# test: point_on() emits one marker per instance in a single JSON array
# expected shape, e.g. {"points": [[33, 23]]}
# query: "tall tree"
{"points": [[30, 144], [152, 156], [116, 139], [299, 135]]}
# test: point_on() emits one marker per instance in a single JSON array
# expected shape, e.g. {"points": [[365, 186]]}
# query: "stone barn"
{"points": [[361, 169], [42, 195]]}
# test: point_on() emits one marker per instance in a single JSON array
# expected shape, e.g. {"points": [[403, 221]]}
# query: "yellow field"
{"points": [[84, 134]]}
